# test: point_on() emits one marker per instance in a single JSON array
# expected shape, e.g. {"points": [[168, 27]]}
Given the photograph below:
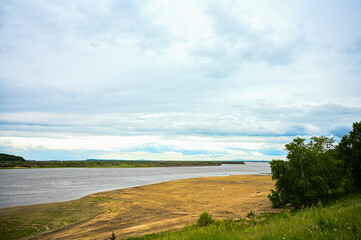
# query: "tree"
{"points": [[349, 152], [310, 172]]}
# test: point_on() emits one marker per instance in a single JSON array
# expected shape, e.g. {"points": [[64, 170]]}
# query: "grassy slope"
{"points": [[340, 220], [18, 222]]}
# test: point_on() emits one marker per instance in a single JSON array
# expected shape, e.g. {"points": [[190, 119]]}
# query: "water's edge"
{"points": [[19, 187]]}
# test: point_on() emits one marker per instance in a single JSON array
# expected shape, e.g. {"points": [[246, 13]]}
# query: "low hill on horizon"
{"points": [[9, 157]]}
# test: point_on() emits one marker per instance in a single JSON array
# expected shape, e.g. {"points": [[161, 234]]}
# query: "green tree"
{"points": [[349, 152], [310, 172]]}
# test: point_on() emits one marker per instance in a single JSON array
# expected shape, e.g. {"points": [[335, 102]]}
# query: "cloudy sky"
{"points": [[201, 80]]}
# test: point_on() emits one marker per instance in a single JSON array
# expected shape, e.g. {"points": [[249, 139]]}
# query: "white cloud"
{"points": [[117, 143], [180, 156], [257, 154], [76, 72]]}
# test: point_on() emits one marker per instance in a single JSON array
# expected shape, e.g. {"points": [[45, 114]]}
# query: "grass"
{"points": [[336, 220], [19, 222]]}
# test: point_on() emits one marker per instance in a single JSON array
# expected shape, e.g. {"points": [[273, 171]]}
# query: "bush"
{"points": [[204, 219], [251, 215]]}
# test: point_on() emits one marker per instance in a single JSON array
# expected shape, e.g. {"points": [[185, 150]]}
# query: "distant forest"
{"points": [[11, 158], [10, 161]]}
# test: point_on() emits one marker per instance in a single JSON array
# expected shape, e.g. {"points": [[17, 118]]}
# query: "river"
{"points": [[20, 187]]}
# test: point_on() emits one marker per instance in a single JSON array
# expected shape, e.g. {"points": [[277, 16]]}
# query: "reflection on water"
{"points": [[31, 186]]}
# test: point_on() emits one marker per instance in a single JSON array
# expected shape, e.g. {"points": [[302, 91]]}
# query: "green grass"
{"points": [[337, 220], [19, 222]]}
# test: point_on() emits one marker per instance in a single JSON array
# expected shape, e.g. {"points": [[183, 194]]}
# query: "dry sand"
{"points": [[170, 205]]}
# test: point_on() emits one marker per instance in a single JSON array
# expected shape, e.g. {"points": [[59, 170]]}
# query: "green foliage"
{"points": [[315, 168], [10, 158], [204, 219], [310, 172], [251, 214], [349, 152]]}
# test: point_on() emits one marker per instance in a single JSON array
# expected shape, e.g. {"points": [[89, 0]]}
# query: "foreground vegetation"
{"points": [[338, 220], [110, 163], [312, 171]]}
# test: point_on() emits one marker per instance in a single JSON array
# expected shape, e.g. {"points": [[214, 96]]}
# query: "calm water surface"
{"points": [[31, 186]]}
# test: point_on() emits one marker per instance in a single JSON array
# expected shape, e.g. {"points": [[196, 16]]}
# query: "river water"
{"points": [[32, 186]]}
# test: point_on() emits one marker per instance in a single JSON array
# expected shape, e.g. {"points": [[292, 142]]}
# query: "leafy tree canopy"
{"points": [[316, 167], [308, 174], [349, 152]]}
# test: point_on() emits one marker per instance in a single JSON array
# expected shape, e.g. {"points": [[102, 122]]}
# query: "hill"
{"points": [[11, 158]]}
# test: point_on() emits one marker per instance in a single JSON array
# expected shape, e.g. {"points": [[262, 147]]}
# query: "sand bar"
{"points": [[165, 206]]}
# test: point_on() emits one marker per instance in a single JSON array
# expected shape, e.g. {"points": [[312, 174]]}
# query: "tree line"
{"points": [[11, 158], [316, 168], [7, 163]]}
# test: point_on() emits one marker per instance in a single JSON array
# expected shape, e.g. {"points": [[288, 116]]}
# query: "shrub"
{"points": [[204, 219], [251, 214]]}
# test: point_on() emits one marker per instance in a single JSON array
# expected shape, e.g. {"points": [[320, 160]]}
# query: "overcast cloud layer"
{"points": [[205, 80]]}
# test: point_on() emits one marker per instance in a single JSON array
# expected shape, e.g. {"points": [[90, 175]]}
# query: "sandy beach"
{"points": [[158, 207]]}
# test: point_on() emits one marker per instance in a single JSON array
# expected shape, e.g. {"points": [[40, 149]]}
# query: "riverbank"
{"points": [[93, 163], [339, 217], [140, 210]]}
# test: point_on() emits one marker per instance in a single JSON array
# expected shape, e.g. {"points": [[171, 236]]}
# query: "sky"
{"points": [[175, 80]]}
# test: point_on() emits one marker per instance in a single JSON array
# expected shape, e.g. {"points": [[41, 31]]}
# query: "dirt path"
{"points": [[170, 205]]}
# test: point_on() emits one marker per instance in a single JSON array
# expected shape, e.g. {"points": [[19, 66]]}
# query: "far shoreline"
{"points": [[93, 163]]}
